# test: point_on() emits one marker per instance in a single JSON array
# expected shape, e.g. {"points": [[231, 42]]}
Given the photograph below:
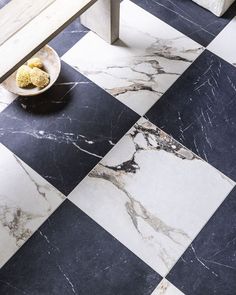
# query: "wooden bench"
{"points": [[27, 25]]}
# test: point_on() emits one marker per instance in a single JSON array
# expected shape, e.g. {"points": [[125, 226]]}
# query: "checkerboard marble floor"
{"points": [[120, 180]]}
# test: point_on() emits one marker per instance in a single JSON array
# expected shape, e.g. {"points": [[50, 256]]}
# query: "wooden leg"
{"points": [[103, 18]]}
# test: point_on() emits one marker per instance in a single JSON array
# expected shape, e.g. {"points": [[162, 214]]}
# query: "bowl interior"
{"points": [[52, 65]]}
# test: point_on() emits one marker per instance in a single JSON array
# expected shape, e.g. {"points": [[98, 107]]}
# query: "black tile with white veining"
{"points": [[71, 254], [209, 264], [68, 37], [152, 194], [189, 18], [199, 110], [142, 65], [65, 132]]}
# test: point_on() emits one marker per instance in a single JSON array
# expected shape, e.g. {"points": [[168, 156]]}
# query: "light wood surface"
{"points": [[17, 13], [38, 32]]}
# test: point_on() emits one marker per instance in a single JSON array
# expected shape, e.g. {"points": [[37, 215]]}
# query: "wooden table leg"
{"points": [[103, 18]]}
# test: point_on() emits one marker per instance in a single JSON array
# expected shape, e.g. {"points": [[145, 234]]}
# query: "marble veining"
{"points": [[189, 18], [58, 136], [166, 288], [70, 128], [78, 257], [139, 67], [26, 201], [152, 139], [145, 214], [208, 265], [199, 111], [140, 186]]}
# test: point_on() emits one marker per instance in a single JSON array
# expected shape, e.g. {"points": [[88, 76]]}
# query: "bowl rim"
{"points": [[38, 91]]}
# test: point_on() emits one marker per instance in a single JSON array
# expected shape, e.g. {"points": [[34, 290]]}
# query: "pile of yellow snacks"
{"points": [[32, 74]]}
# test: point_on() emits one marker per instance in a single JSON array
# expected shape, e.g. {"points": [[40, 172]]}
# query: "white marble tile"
{"points": [[26, 201], [152, 194], [6, 98], [166, 288], [139, 67], [224, 44]]}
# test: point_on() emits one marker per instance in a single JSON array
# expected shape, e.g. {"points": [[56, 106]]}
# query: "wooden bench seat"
{"points": [[26, 26]]}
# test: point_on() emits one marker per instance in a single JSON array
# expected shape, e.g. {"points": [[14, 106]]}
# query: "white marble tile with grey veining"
{"points": [[139, 67], [223, 45], [6, 98], [166, 288], [152, 194], [26, 201]]}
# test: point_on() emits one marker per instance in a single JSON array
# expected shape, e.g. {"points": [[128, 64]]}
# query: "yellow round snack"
{"points": [[39, 78], [23, 76], [35, 62]]}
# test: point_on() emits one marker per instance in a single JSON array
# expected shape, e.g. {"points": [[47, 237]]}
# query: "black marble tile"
{"points": [[65, 132], [68, 37], [199, 110], [71, 254], [189, 18], [209, 265]]}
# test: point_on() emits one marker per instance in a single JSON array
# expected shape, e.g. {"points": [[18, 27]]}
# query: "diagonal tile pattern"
{"points": [[208, 266], [189, 18], [142, 65], [26, 201], [199, 111], [140, 186], [68, 37], [78, 257], [146, 224], [70, 128]]}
